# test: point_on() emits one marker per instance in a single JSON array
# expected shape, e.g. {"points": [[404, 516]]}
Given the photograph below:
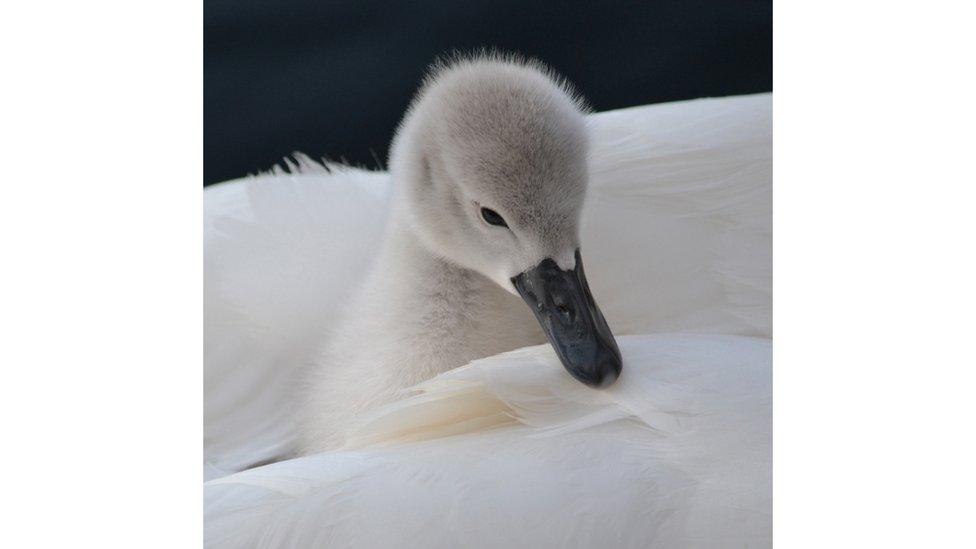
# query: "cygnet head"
{"points": [[491, 173]]}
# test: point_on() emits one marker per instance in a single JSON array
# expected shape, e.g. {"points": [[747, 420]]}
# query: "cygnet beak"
{"points": [[564, 306]]}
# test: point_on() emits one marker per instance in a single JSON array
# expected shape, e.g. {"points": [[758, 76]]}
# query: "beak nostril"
{"points": [[566, 313]]}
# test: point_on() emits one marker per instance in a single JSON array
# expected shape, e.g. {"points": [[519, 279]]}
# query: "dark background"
{"points": [[333, 78]]}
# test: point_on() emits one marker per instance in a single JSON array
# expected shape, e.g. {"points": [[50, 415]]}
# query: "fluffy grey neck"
{"points": [[443, 315]]}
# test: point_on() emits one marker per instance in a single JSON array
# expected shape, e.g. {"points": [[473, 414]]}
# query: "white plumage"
{"points": [[675, 455], [676, 232]]}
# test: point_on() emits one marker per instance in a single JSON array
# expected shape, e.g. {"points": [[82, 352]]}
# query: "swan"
{"points": [[509, 450], [481, 252]]}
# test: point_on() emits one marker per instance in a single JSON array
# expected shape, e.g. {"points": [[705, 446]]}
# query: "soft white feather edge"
{"points": [[672, 383], [529, 386]]}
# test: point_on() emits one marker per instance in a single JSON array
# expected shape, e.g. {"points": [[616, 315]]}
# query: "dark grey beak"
{"points": [[562, 303]]}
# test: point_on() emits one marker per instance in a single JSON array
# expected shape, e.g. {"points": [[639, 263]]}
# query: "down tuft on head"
{"points": [[487, 59], [501, 115]]}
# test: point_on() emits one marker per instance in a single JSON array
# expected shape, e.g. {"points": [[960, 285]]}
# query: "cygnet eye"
{"points": [[492, 217]]}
